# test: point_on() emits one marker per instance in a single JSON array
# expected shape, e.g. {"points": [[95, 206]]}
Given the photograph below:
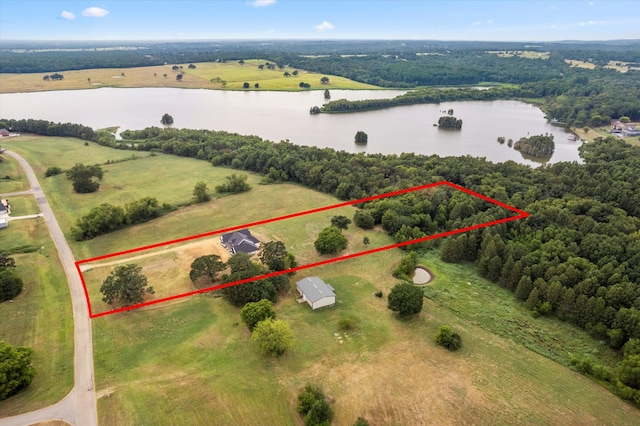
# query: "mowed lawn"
{"points": [[12, 178], [40, 317], [199, 78]]}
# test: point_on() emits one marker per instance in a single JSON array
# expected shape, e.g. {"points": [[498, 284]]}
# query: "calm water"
{"points": [[285, 116]]}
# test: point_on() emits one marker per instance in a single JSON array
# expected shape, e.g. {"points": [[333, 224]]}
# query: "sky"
{"points": [[504, 20]]}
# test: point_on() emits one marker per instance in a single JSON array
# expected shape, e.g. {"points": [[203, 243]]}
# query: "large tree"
{"points": [[363, 219], [273, 337], [166, 119], [405, 299], [273, 255], [206, 266], [126, 285], [330, 241], [254, 312], [340, 222], [16, 371], [83, 178]]}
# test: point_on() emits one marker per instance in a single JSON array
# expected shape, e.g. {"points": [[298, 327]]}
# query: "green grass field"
{"points": [[17, 180], [199, 78], [40, 318], [190, 361]]}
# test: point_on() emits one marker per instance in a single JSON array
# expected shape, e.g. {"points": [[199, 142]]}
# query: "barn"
{"points": [[316, 292]]}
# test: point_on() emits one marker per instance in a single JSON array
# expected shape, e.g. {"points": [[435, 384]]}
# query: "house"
{"points": [[3, 223], [240, 242], [4, 133], [4, 207], [316, 292]]}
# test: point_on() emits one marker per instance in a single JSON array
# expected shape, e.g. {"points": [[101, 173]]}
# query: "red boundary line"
{"points": [[521, 214]]}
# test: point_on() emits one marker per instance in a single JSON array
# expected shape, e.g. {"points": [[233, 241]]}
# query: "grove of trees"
{"points": [[449, 122], [84, 178]]}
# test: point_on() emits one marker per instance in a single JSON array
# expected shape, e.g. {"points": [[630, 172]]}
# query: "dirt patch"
{"points": [[51, 423], [185, 251]]}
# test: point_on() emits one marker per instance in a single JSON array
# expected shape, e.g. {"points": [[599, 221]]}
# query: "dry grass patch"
{"points": [[580, 64], [197, 78]]}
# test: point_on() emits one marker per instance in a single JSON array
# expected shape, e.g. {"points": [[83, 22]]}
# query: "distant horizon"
{"points": [[206, 40], [203, 20]]}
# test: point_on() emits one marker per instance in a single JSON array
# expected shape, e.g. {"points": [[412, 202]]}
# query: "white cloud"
{"points": [[476, 23], [67, 15], [262, 3], [324, 26], [584, 24], [95, 12]]}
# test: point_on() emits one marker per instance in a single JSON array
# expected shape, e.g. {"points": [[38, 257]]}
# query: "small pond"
{"points": [[422, 275]]}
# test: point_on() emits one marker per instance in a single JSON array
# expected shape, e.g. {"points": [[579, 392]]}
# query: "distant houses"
{"points": [[4, 133], [316, 292], [240, 242], [625, 129]]}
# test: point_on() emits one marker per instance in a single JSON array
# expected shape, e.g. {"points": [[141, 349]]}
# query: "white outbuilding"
{"points": [[316, 292]]}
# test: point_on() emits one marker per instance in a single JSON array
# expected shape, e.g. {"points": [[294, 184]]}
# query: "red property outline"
{"points": [[521, 215]]}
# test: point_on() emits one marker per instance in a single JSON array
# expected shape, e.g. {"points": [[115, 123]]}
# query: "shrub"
{"points": [[378, 293], [53, 171], [348, 323], [10, 285], [448, 338], [313, 406]]}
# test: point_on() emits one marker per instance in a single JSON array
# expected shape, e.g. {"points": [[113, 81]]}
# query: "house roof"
{"points": [[241, 241], [314, 289]]}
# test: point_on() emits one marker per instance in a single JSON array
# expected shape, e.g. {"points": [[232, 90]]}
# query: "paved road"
{"points": [[79, 406]]}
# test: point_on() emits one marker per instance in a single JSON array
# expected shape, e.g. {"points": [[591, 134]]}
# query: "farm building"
{"points": [[316, 292], [3, 223], [240, 242], [4, 207]]}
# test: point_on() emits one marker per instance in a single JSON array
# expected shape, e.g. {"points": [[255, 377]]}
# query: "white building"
{"points": [[316, 292]]}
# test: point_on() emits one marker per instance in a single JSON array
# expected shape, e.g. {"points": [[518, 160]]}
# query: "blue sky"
{"points": [[323, 19]]}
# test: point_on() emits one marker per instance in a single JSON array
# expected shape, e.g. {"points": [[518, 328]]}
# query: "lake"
{"points": [[280, 116]]}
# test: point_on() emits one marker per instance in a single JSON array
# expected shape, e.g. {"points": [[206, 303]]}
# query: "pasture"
{"points": [[165, 76]]}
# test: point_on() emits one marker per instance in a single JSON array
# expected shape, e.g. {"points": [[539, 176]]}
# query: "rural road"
{"points": [[79, 406]]}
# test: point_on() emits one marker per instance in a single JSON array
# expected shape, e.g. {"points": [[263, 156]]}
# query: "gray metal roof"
{"points": [[314, 289]]}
